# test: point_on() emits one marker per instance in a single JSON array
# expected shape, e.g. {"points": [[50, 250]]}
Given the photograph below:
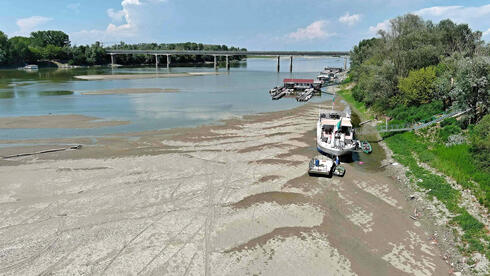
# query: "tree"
{"points": [[418, 87], [472, 89], [45, 38], [20, 51], [4, 45]]}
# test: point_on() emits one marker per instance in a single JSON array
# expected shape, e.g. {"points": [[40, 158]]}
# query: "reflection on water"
{"points": [[202, 99]]}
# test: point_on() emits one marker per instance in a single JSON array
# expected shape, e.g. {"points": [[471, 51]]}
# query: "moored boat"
{"points": [[335, 135], [321, 165], [366, 147]]}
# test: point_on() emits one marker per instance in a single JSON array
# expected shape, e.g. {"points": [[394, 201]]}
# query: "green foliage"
{"points": [[55, 45], [472, 88], [53, 38], [147, 59], [359, 106], [447, 131], [3, 48], [20, 50], [418, 87], [55, 93], [404, 146], [416, 62], [413, 114], [480, 143]]}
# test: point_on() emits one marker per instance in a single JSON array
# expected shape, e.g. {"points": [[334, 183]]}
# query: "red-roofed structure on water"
{"points": [[299, 81]]}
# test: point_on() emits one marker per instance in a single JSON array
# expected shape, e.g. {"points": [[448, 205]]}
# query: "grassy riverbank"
{"points": [[427, 147]]}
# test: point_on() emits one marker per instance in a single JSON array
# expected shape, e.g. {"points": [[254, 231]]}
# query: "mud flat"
{"points": [[130, 91], [143, 76], [57, 121], [206, 200]]}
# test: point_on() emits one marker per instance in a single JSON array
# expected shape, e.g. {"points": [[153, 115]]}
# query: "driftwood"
{"points": [[42, 151]]}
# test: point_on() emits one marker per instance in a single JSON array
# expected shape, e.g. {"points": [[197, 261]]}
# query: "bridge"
{"points": [[227, 54]]}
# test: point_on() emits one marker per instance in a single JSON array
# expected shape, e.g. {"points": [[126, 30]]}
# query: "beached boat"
{"points": [[335, 135], [366, 147], [339, 171], [321, 165]]}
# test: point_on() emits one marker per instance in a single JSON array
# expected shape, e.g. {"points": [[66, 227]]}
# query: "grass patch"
{"points": [[55, 93], [404, 146], [361, 108]]}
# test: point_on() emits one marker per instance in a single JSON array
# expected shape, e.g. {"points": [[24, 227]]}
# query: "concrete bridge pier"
{"points": [[290, 64], [228, 63], [215, 63], [113, 59], [156, 61], [278, 64], [168, 61]]}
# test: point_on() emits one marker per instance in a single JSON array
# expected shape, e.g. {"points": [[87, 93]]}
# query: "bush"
{"points": [[418, 87], [357, 93], [447, 131], [449, 121], [414, 114], [480, 142]]}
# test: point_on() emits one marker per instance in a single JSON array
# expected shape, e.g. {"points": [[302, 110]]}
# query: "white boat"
{"points": [[321, 165], [31, 67], [335, 135]]}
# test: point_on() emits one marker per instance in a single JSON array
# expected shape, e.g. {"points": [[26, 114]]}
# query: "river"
{"points": [[200, 100]]}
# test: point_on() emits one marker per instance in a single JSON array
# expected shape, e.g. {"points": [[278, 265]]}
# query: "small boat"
{"points": [[321, 165], [279, 95], [366, 147], [339, 171], [31, 67]]}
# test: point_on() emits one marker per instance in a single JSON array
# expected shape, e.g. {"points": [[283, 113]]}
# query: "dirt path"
{"points": [[216, 200]]}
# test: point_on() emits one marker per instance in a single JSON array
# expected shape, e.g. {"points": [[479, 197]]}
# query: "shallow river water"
{"points": [[200, 100]]}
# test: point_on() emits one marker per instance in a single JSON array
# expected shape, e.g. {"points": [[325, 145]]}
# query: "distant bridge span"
{"points": [[169, 53]]}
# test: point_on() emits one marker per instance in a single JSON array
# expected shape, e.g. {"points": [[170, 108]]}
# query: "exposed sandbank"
{"points": [[144, 76], [207, 200], [131, 91], [57, 121]]}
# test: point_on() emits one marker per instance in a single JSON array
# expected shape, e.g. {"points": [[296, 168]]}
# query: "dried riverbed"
{"points": [[222, 200]]}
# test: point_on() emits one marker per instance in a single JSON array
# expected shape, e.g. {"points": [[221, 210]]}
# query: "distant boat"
{"points": [[31, 67]]}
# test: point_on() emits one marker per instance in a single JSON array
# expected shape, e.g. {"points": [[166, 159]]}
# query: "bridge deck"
{"points": [[230, 53]]}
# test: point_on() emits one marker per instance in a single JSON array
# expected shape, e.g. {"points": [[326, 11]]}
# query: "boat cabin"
{"points": [[330, 127], [299, 84]]}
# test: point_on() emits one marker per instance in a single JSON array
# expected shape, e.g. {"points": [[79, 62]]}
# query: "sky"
{"points": [[252, 24]]}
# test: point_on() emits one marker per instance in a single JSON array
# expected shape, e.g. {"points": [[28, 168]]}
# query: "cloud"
{"points": [[315, 30], [350, 20], [29, 24], [381, 26], [458, 14], [135, 19], [486, 33], [116, 15], [475, 16], [74, 7]]}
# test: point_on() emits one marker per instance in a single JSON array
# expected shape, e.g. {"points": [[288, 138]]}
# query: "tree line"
{"points": [[417, 69], [417, 62], [56, 45]]}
